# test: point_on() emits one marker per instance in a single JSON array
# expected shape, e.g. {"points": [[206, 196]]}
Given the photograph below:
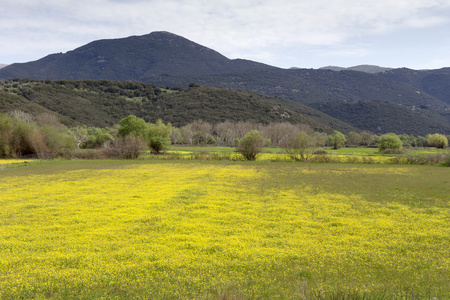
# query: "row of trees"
{"points": [[279, 134], [22, 134]]}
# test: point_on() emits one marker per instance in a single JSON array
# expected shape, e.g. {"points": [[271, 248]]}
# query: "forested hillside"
{"points": [[378, 117], [433, 82], [309, 86], [103, 103]]}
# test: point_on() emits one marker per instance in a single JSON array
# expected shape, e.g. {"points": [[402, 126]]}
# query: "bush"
{"points": [[251, 144], [129, 147], [389, 141], [299, 148], [437, 140], [158, 136]]}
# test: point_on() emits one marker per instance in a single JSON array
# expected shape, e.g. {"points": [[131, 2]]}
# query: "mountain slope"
{"points": [[433, 82], [382, 117], [103, 103], [157, 53], [309, 86]]}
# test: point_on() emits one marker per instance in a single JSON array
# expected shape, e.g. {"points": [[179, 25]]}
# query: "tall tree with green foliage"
{"points": [[132, 125], [337, 139], [158, 136]]}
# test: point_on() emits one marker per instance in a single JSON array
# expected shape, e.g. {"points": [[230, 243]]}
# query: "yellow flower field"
{"points": [[14, 161], [205, 230]]}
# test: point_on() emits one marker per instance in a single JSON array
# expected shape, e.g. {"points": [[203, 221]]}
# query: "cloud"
{"points": [[236, 28]]}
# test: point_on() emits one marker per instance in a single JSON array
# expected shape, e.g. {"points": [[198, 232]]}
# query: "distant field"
{"points": [[155, 229], [343, 155]]}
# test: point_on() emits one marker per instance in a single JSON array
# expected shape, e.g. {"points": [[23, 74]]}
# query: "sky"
{"points": [[283, 33]]}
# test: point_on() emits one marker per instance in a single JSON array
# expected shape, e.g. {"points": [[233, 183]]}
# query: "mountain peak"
{"points": [[131, 58]]}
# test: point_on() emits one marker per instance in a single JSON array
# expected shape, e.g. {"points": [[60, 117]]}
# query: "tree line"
{"points": [[43, 136]]}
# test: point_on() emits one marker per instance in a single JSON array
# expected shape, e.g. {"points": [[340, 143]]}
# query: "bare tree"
{"points": [[281, 133], [48, 119], [225, 133], [80, 134], [21, 115], [187, 134], [202, 130]]}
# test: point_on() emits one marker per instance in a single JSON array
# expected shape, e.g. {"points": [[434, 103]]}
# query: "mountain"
{"points": [[372, 69], [433, 82], [3, 65], [309, 86], [377, 117], [168, 60], [158, 53], [104, 103]]}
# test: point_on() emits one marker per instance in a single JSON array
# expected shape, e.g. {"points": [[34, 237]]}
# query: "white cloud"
{"points": [[248, 29]]}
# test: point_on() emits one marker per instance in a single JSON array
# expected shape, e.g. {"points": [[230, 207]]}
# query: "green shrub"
{"points": [[251, 144], [437, 140], [158, 136], [389, 141]]}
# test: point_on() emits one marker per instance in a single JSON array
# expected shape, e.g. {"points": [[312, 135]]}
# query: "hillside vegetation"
{"points": [[103, 103], [378, 117], [433, 82]]}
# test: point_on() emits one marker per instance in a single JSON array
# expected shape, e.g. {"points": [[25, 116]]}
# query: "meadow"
{"points": [[192, 229]]}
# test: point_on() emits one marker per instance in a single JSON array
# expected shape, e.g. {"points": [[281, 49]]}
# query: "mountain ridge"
{"points": [[372, 69], [157, 53], [168, 60]]}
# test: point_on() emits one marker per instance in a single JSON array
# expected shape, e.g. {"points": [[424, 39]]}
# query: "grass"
{"points": [[151, 229]]}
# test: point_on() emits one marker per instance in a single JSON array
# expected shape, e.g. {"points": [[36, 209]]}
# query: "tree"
{"points": [[437, 140], [97, 137], [80, 134], [132, 125], [6, 127], [251, 144], [367, 138], [202, 130], [280, 134], [158, 136], [337, 139], [390, 141], [300, 148], [128, 146], [354, 139]]}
